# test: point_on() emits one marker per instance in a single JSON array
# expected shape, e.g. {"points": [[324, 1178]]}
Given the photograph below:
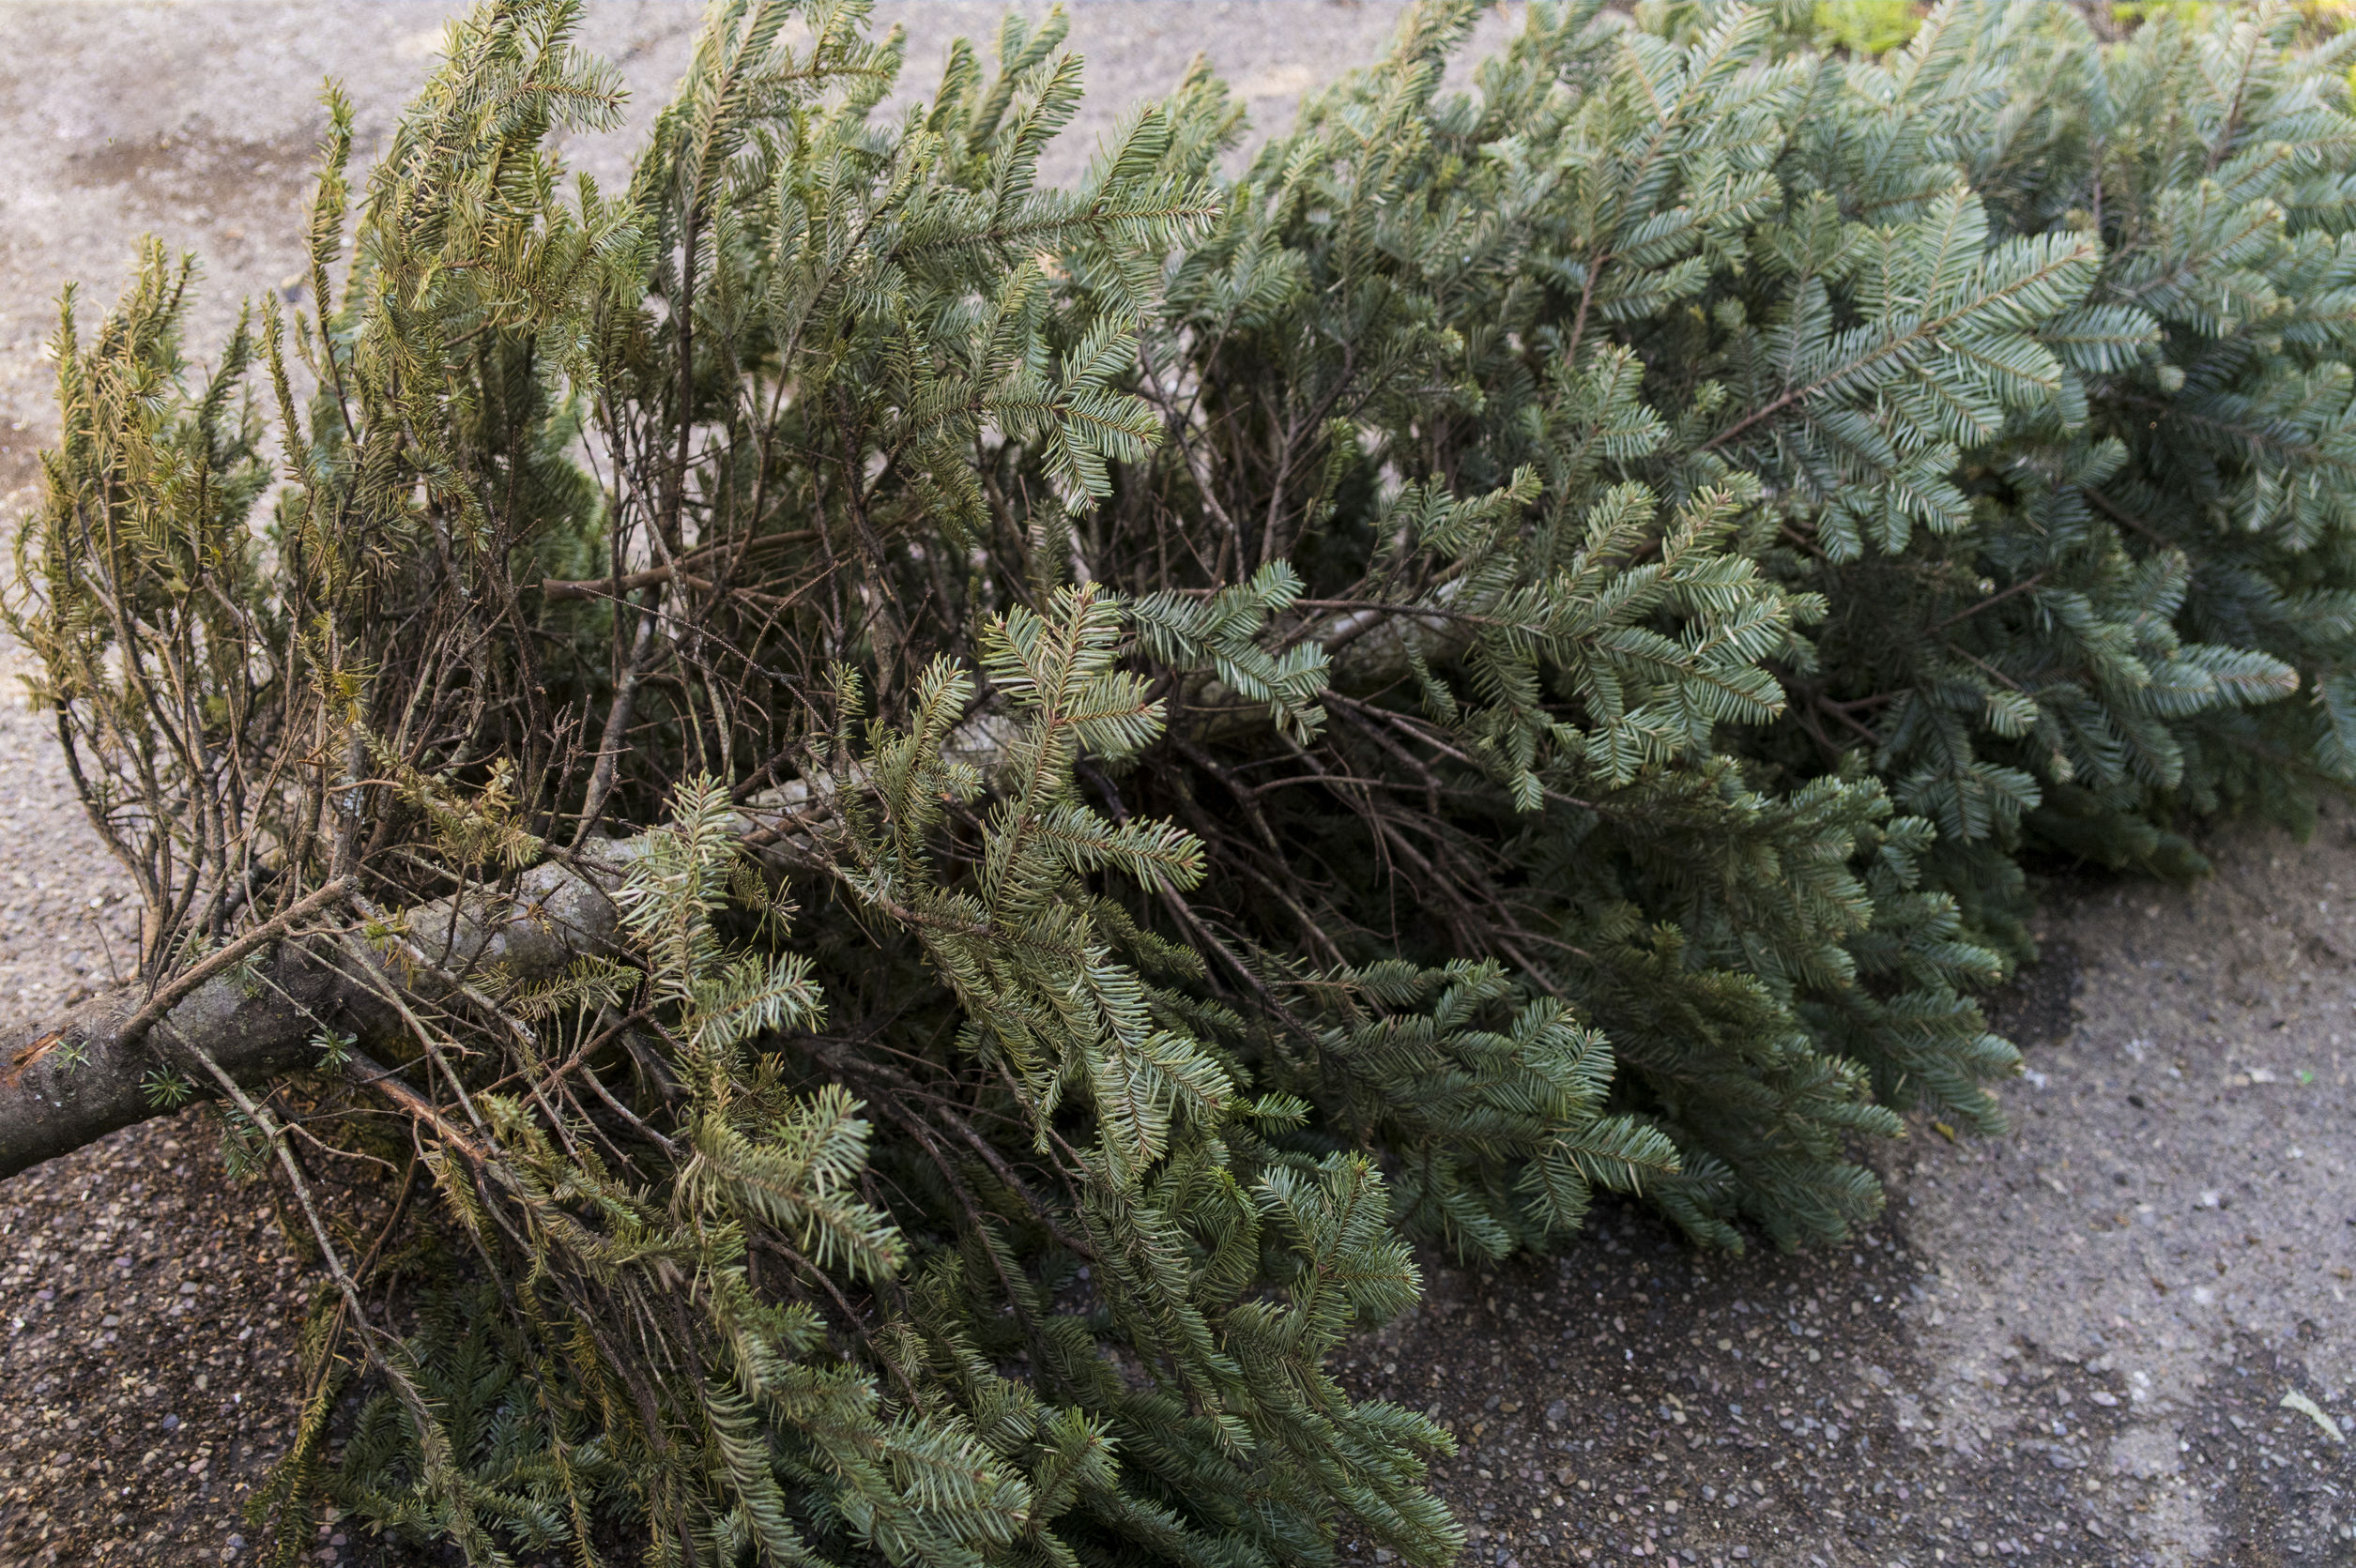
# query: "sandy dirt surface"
{"points": [[2068, 1345]]}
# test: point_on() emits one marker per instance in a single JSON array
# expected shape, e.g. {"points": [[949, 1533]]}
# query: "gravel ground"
{"points": [[2068, 1345]]}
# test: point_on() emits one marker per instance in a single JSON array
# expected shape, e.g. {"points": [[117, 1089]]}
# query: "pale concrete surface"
{"points": [[197, 121]]}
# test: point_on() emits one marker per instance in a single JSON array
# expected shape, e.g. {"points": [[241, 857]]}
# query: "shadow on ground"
{"points": [[2069, 1344]]}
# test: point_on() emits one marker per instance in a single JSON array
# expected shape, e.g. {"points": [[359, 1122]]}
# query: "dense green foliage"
{"points": [[1180, 732]]}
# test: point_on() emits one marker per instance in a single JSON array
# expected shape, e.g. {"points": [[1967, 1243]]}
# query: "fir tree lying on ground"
{"points": [[940, 812]]}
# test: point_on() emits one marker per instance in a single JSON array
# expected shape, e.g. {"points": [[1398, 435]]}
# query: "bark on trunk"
{"points": [[78, 1078]]}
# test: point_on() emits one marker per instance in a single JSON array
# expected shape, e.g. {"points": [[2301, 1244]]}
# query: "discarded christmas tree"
{"points": [[945, 811]]}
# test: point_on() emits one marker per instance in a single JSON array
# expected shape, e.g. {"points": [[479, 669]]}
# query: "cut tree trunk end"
{"points": [[87, 1073]]}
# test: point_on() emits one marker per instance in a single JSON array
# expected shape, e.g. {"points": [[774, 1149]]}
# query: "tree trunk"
{"points": [[80, 1079]]}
